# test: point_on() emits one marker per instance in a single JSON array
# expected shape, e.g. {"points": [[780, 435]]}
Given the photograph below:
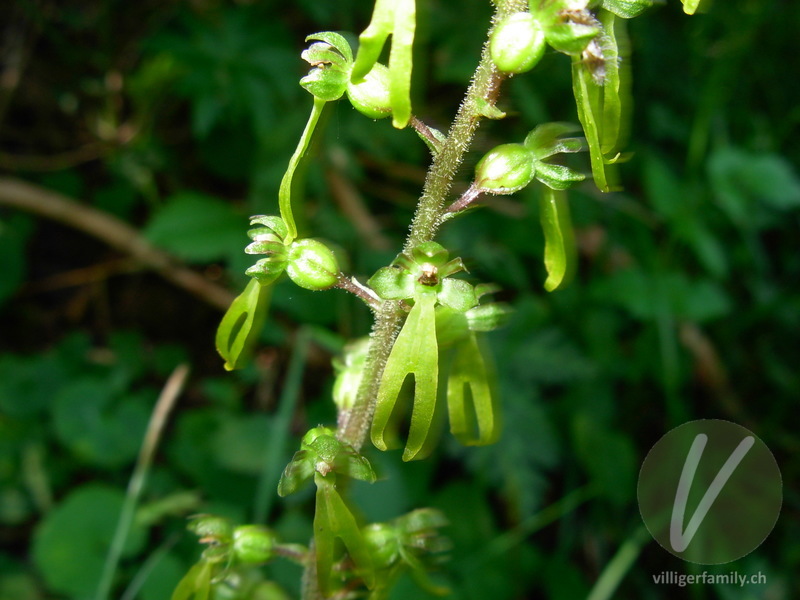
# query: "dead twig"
{"points": [[116, 233]]}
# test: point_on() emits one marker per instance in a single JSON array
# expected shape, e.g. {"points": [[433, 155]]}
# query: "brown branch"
{"points": [[55, 162], [116, 233]]}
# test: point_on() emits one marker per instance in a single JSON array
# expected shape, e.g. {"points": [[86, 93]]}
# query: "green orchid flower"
{"points": [[422, 277], [407, 543], [322, 453], [323, 457]]}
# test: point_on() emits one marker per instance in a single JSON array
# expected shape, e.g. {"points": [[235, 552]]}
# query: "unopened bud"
{"points": [[211, 528], [517, 43], [312, 265], [253, 544], [505, 169]]}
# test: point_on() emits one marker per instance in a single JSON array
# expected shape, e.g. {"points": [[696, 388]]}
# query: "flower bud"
{"points": [[349, 373], [370, 96], [383, 542], [211, 528], [253, 543], [517, 43], [312, 265], [505, 169]]}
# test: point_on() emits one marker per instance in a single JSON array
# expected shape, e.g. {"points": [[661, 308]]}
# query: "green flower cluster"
{"points": [[422, 279]]}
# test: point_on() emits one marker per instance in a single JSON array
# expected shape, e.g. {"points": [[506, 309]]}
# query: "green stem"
{"points": [[354, 424], [285, 193], [619, 565]]}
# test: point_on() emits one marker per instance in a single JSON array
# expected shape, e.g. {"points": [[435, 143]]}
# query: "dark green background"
{"points": [[179, 118]]}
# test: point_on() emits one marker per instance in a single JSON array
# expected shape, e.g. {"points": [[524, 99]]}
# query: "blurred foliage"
{"points": [[180, 117]]}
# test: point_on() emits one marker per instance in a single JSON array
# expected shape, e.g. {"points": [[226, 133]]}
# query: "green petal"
{"points": [[398, 18], [351, 463], [557, 177], [240, 327], [392, 283], [196, 584], [627, 9], [457, 294], [296, 473], [559, 240], [371, 40], [333, 519], [415, 352], [690, 6], [400, 62], [321, 53], [336, 40], [468, 369]]}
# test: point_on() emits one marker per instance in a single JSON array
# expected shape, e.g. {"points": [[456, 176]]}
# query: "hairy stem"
{"points": [[354, 424], [430, 214]]}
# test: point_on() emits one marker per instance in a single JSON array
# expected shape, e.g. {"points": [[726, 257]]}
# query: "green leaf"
{"points": [[415, 352], [241, 326], [70, 543], [559, 240], [743, 181], [97, 424], [468, 370], [288, 188], [196, 227], [332, 519], [608, 456], [547, 139], [240, 443]]}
